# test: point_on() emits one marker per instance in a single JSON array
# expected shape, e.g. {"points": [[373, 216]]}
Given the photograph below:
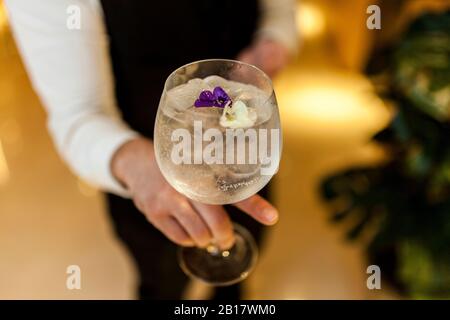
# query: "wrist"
{"points": [[125, 161]]}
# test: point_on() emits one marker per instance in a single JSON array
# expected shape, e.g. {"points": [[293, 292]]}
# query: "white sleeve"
{"points": [[278, 22], [71, 72]]}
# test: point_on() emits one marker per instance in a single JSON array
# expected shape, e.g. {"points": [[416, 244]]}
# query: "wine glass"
{"points": [[217, 141]]}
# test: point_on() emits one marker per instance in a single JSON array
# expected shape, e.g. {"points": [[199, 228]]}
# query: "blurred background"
{"points": [[330, 111]]}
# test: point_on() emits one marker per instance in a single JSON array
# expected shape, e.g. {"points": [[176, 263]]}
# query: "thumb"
{"points": [[259, 209]]}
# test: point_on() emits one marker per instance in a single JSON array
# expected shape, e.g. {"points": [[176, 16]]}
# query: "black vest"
{"points": [[150, 39]]}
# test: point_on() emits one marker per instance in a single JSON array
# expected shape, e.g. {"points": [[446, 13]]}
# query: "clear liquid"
{"points": [[214, 183]]}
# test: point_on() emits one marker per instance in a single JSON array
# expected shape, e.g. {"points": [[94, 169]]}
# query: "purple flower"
{"points": [[218, 98]]}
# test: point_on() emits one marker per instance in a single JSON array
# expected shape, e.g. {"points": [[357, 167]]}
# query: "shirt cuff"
{"points": [[104, 155], [289, 39], [94, 165]]}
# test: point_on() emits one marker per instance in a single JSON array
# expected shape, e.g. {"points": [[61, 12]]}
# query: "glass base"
{"points": [[221, 268]]}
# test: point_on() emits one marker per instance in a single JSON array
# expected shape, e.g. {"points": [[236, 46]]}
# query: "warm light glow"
{"points": [[86, 189], [327, 103], [3, 18], [310, 20], [330, 102], [11, 134], [4, 170], [10, 131]]}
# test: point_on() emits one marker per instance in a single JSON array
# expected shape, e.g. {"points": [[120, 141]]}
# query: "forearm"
{"points": [[71, 72], [88, 147]]}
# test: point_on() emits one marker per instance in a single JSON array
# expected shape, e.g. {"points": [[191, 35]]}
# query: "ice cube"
{"points": [[216, 81], [232, 88], [257, 101], [208, 116], [182, 97], [235, 88]]}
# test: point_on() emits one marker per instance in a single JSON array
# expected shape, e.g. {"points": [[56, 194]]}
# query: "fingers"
{"points": [[246, 56], [174, 231], [260, 209], [219, 223], [192, 223], [268, 55], [189, 223]]}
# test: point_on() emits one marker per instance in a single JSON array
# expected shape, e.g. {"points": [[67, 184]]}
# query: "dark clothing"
{"points": [[149, 40]]}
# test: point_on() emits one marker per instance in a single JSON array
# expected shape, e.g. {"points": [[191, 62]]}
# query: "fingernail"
{"points": [[270, 215]]}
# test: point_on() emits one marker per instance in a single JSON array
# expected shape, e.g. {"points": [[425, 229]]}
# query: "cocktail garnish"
{"points": [[217, 98], [239, 116]]}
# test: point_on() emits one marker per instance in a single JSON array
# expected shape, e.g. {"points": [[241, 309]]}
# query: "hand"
{"points": [[268, 55], [183, 221]]}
